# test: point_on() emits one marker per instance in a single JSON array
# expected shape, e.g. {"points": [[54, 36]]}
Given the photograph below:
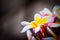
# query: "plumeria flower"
{"points": [[38, 21]]}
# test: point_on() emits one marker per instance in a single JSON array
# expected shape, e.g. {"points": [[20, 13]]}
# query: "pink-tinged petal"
{"points": [[54, 16], [33, 38], [46, 12], [26, 28], [29, 34], [53, 25], [24, 23], [50, 24], [43, 13]]}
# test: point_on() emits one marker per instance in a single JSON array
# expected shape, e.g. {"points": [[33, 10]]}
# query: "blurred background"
{"points": [[15, 11]]}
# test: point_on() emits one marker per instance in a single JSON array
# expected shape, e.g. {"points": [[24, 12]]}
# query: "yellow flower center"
{"points": [[34, 24], [40, 21]]}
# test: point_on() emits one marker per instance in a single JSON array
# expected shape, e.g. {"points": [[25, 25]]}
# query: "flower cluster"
{"points": [[43, 18]]}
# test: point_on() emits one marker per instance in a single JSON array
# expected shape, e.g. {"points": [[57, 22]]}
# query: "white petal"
{"points": [[26, 28], [54, 25], [42, 12], [37, 29], [29, 34], [37, 16], [47, 11], [24, 23]]}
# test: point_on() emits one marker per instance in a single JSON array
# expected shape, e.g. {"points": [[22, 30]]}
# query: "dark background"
{"points": [[15, 11]]}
